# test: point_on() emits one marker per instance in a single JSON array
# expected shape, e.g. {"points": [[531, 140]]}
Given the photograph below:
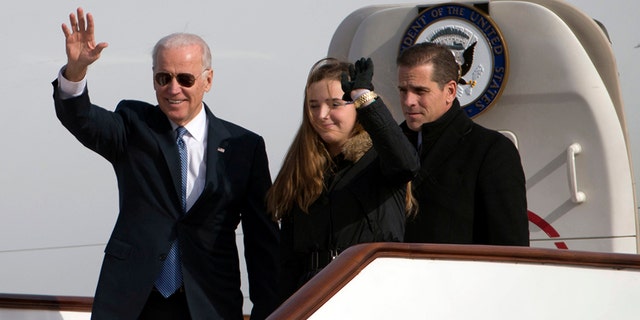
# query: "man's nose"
{"points": [[173, 86], [407, 99]]}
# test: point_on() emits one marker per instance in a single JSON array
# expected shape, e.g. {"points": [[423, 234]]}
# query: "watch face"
{"points": [[477, 44]]}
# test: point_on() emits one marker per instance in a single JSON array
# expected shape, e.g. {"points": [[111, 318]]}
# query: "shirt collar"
{"points": [[197, 126]]}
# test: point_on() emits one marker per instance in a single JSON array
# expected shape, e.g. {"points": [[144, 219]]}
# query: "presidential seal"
{"points": [[477, 44]]}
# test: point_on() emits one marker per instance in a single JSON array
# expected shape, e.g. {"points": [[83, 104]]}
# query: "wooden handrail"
{"points": [[51, 303], [348, 264], [338, 273], [45, 302]]}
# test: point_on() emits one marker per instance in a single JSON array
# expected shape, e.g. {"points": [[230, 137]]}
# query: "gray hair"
{"points": [[178, 40]]}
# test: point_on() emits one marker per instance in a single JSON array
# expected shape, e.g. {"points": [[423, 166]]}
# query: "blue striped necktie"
{"points": [[170, 278]]}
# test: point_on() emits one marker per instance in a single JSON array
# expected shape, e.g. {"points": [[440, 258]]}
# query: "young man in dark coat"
{"points": [[471, 185]]}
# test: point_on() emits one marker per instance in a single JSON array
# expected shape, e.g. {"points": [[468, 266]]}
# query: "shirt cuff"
{"points": [[70, 89]]}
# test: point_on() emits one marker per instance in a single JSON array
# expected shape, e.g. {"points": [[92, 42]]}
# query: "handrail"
{"points": [[348, 264], [577, 196], [45, 302]]}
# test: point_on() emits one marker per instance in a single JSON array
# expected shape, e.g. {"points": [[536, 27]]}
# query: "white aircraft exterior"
{"points": [[59, 200], [543, 73]]}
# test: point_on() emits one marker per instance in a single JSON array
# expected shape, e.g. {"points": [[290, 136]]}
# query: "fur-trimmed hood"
{"points": [[357, 146]]}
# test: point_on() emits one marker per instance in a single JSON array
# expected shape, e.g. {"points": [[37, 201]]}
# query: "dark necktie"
{"points": [[170, 278]]}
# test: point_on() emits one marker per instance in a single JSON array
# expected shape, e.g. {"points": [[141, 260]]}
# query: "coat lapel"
{"points": [[166, 138], [217, 143], [170, 150], [446, 144]]}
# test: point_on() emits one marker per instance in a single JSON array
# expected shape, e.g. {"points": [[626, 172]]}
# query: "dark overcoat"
{"points": [[470, 188]]}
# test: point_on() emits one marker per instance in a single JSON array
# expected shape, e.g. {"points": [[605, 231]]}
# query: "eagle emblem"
{"points": [[465, 66], [477, 45]]}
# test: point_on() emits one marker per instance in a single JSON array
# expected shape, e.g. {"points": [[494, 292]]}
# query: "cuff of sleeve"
{"points": [[70, 89]]}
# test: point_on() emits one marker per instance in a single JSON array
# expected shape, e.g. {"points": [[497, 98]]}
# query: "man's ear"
{"points": [[451, 89], [209, 76]]}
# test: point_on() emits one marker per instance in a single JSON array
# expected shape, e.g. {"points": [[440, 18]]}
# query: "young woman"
{"points": [[344, 179]]}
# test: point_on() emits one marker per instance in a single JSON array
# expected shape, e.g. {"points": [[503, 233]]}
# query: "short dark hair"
{"points": [[445, 67]]}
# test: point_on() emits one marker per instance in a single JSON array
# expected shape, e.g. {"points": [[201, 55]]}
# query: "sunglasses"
{"points": [[186, 80]]}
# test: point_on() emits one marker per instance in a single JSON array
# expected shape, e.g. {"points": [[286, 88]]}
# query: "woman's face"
{"points": [[331, 118]]}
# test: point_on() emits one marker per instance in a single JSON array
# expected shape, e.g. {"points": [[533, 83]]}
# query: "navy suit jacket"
{"points": [[137, 139]]}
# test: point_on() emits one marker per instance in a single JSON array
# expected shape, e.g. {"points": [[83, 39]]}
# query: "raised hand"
{"points": [[360, 77], [81, 46]]}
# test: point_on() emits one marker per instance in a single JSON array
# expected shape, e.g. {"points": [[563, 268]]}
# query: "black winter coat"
{"points": [[363, 202], [471, 186]]}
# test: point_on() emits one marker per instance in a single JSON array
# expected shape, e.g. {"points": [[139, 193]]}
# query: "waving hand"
{"points": [[81, 46]]}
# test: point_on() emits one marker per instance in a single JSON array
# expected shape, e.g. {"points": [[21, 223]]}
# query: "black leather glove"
{"points": [[360, 75]]}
